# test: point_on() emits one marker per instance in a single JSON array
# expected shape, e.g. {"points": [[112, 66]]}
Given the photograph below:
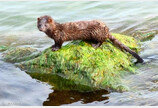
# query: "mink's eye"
{"points": [[38, 19], [46, 25]]}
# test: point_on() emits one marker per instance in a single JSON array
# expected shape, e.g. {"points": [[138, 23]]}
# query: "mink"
{"points": [[93, 31]]}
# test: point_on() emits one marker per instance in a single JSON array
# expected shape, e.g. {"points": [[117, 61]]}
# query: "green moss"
{"points": [[144, 36], [19, 54], [80, 64], [3, 48]]}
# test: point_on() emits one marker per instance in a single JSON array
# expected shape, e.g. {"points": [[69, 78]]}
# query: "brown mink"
{"points": [[94, 31]]}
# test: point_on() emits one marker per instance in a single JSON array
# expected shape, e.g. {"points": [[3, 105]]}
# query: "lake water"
{"points": [[18, 28]]}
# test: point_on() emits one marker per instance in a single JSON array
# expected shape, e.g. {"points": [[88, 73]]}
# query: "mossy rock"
{"points": [[15, 55], [144, 35], [3, 48], [78, 66]]}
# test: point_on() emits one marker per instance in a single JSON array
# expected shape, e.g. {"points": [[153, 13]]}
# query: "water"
{"points": [[18, 28]]}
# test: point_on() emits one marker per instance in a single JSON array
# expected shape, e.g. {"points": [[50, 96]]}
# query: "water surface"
{"points": [[18, 28]]}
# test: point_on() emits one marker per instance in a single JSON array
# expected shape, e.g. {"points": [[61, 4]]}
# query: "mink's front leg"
{"points": [[56, 46]]}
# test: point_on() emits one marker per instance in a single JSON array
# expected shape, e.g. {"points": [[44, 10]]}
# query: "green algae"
{"points": [[18, 54], [81, 67], [144, 35], [3, 48]]}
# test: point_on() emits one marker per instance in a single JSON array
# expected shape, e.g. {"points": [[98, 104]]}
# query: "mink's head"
{"points": [[45, 23]]}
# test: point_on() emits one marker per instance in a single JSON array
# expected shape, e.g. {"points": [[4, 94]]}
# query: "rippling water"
{"points": [[18, 28]]}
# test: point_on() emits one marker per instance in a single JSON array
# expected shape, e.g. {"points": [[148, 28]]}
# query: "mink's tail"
{"points": [[122, 46]]}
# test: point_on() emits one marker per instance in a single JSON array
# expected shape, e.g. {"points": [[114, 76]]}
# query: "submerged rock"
{"points": [[3, 48], [78, 66], [18, 54], [144, 35]]}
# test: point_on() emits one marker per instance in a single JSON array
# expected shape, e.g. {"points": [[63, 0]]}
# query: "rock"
{"points": [[155, 79], [78, 66], [153, 88], [18, 54], [3, 48], [144, 35]]}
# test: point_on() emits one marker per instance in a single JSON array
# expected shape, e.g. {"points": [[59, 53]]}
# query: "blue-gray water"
{"points": [[18, 28]]}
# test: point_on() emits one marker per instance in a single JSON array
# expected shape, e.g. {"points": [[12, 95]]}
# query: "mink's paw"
{"points": [[55, 48], [94, 46]]}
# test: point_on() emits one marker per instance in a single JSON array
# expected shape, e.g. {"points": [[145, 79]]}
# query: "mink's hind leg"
{"points": [[96, 45]]}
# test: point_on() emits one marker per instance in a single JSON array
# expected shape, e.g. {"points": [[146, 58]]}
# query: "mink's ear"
{"points": [[49, 20], [38, 19]]}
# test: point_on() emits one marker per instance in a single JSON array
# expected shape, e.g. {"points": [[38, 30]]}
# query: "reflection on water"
{"points": [[67, 97], [18, 28], [18, 88]]}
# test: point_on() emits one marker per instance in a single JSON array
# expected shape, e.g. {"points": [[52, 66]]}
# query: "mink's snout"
{"points": [[41, 27]]}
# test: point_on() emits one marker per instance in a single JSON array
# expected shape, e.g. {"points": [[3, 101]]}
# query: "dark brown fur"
{"points": [[95, 31]]}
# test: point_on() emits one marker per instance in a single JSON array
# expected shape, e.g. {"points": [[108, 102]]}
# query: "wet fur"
{"points": [[94, 31]]}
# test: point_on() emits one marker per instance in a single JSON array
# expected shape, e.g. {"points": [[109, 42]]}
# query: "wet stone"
{"points": [[155, 79]]}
